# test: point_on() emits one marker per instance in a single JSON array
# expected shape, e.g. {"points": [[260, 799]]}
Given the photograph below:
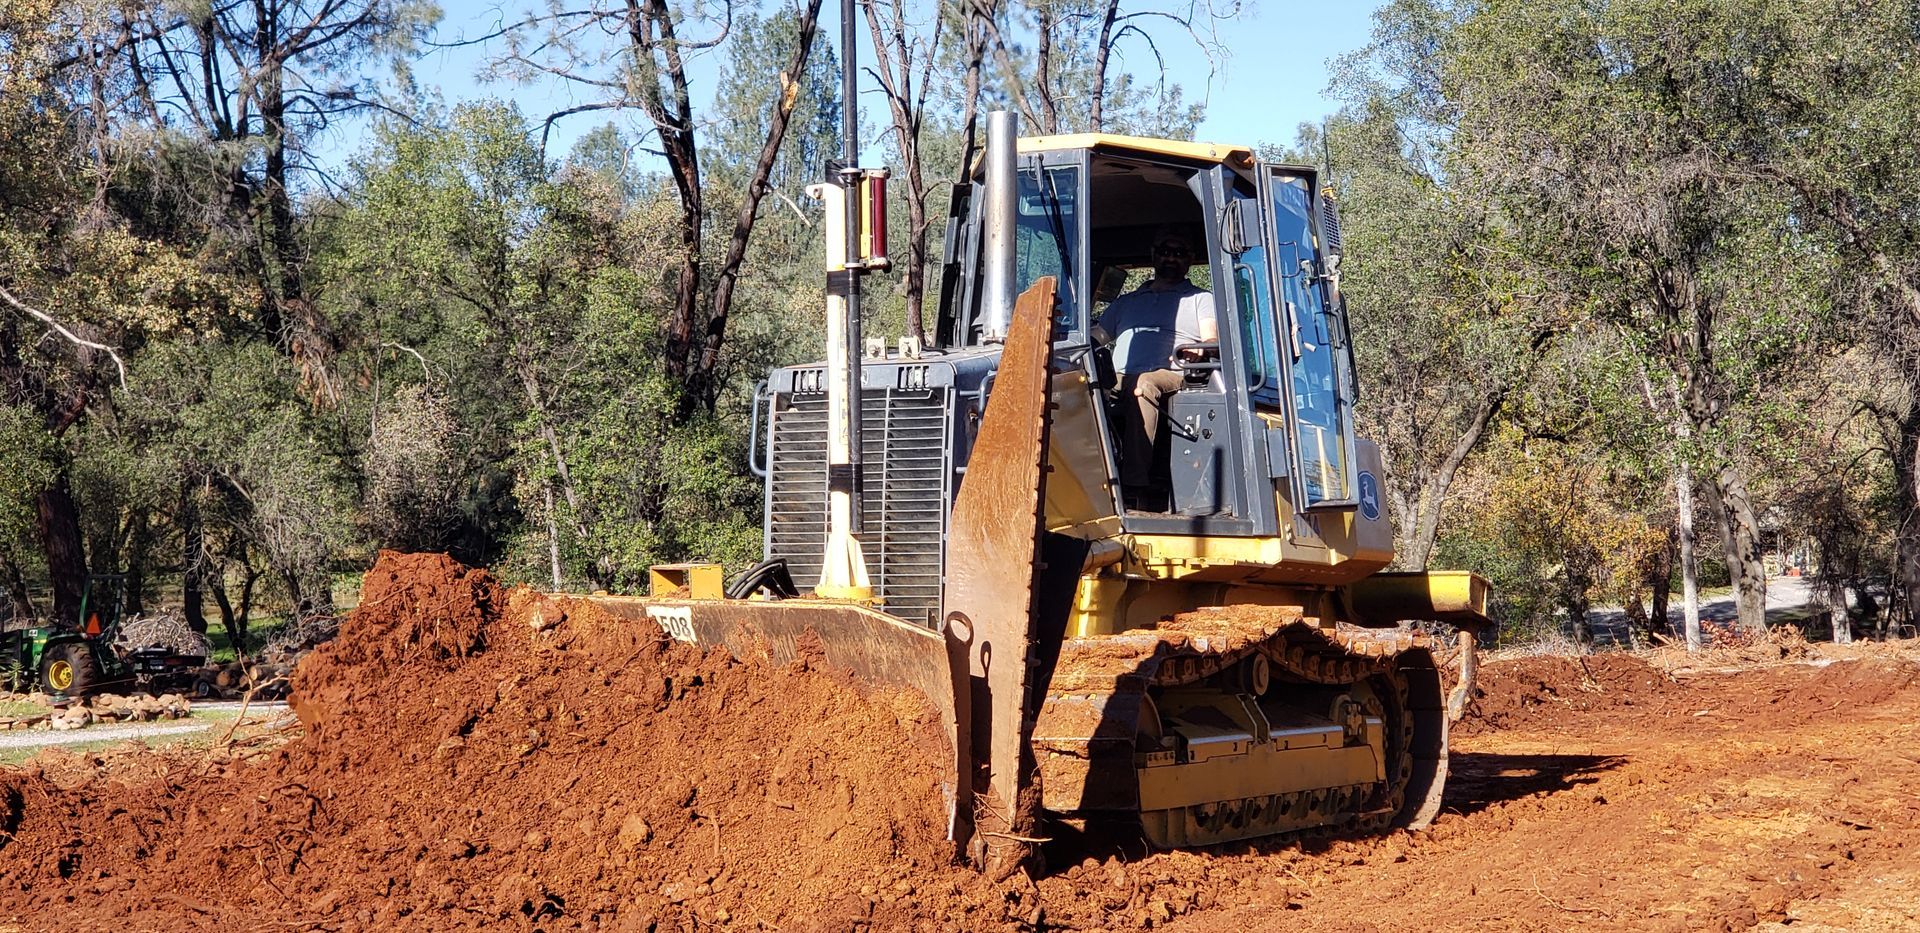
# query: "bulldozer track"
{"points": [[1110, 677]]}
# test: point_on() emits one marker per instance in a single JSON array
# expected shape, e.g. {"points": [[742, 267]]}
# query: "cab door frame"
{"points": [[1308, 275]]}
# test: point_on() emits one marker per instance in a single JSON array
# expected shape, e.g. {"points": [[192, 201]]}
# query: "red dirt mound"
{"points": [[470, 765], [1521, 693]]}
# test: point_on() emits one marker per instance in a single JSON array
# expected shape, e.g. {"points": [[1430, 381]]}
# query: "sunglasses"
{"points": [[1172, 249]]}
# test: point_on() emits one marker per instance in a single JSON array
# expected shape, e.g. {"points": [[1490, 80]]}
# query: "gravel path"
{"points": [[258, 711], [32, 738]]}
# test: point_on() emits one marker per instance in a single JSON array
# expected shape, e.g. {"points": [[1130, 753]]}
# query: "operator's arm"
{"points": [[1205, 325], [1112, 322]]}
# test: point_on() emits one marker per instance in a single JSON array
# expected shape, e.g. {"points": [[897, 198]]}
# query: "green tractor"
{"points": [[73, 663]]}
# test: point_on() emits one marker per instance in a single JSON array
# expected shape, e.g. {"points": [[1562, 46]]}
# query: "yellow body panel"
{"points": [[687, 581], [1455, 596]]}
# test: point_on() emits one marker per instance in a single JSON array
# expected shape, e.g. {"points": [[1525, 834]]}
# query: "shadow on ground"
{"points": [[1480, 780]]}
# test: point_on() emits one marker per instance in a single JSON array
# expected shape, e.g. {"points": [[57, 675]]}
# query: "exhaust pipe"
{"points": [[1001, 227]]}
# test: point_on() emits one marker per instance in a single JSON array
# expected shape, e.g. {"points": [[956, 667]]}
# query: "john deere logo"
{"points": [[1369, 497]]}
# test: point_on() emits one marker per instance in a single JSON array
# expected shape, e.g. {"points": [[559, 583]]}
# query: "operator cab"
{"points": [[1250, 420]]}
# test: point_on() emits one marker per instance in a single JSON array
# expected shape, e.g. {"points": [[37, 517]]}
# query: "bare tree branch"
{"points": [[63, 331]]}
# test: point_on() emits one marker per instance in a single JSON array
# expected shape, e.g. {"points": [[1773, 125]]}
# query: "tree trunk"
{"points": [[701, 389], [296, 600], [1837, 613], [976, 29], [1660, 580], [1744, 560], [1579, 612], [1906, 468], [1043, 65], [138, 532], [655, 50], [908, 109], [1096, 108], [242, 617], [235, 626], [193, 560], [530, 381], [1689, 574], [57, 519], [1433, 492], [1639, 627], [553, 542], [1575, 583]]}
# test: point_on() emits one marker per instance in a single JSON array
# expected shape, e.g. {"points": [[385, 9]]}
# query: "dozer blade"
{"points": [[873, 646], [990, 597]]}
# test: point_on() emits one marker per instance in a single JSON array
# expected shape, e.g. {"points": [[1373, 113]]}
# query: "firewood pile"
{"points": [[164, 629], [262, 680]]}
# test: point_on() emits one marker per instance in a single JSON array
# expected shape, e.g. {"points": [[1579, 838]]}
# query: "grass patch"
{"points": [[16, 709]]}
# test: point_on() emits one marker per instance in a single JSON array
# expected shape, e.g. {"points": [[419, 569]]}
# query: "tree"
{"points": [[646, 70], [80, 283], [256, 81], [536, 304], [1614, 131], [1060, 78], [1838, 99]]}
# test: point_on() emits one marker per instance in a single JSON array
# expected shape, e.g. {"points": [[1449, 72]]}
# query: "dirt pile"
{"points": [[1527, 692], [1552, 692], [478, 758]]}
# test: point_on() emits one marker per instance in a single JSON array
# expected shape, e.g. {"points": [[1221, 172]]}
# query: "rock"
{"points": [[75, 718], [634, 831]]}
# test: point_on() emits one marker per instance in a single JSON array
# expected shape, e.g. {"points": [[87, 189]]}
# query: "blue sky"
{"points": [[1272, 79]]}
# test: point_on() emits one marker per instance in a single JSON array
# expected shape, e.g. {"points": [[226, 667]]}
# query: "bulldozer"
{"points": [[1227, 657]]}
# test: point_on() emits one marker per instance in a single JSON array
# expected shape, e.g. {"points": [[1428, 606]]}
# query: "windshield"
{"points": [[1049, 214]]}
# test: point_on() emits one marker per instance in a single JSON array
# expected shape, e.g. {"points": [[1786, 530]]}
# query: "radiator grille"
{"points": [[906, 472]]}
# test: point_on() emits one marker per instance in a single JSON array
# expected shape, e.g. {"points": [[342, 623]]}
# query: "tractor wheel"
{"points": [[69, 669]]}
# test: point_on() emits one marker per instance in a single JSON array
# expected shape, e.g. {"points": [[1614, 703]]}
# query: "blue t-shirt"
{"points": [[1146, 324]]}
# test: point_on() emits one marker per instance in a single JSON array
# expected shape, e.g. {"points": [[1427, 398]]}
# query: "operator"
{"points": [[1145, 326]]}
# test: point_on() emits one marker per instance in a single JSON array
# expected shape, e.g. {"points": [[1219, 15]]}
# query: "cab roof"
{"points": [[1239, 158]]}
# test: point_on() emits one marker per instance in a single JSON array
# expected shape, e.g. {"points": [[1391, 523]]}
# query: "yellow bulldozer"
{"points": [[1211, 651]]}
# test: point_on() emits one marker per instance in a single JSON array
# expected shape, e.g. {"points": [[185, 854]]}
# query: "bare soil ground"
{"points": [[474, 758]]}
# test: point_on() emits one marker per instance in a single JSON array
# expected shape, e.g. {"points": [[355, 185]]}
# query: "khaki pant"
{"points": [[1142, 408]]}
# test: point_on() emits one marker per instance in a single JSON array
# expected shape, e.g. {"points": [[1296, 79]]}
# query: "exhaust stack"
{"points": [[1001, 223]]}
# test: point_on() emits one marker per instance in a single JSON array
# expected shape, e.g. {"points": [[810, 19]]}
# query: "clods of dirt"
{"points": [[1521, 692]]}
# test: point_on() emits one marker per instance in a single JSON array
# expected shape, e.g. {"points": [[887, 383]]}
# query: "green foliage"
{"points": [[27, 465], [1589, 246]]}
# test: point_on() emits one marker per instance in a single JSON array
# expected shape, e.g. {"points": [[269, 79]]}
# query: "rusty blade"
{"points": [[993, 554]]}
